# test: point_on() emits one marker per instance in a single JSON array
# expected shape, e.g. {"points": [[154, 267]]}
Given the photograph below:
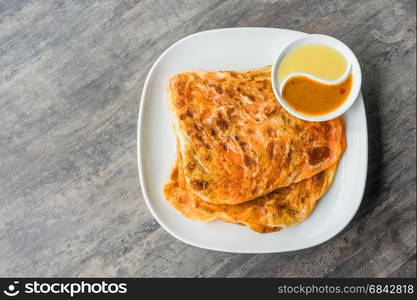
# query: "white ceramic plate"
{"points": [[239, 49]]}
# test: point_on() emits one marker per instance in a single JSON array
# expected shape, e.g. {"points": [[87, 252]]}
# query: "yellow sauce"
{"points": [[310, 97], [319, 60]]}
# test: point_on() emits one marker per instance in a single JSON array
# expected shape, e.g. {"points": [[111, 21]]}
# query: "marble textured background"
{"points": [[71, 75]]}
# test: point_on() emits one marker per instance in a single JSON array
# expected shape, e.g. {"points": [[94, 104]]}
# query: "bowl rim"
{"points": [[352, 68]]}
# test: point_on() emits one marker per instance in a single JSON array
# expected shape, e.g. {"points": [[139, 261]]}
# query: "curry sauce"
{"points": [[310, 97]]}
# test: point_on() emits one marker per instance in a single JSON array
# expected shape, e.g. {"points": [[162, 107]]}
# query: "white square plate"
{"points": [[239, 49]]}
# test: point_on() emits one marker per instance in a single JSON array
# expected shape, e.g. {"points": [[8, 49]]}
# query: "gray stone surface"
{"points": [[71, 75]]}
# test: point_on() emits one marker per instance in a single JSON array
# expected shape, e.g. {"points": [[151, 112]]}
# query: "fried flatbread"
{"points": [[281, 208], [238, 143]]}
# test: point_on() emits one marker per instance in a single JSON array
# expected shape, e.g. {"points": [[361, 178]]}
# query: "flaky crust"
{"points": [[237, 143], [281, 208]]}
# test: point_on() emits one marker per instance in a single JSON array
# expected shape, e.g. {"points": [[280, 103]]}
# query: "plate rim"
{"points": [[139, 146]]}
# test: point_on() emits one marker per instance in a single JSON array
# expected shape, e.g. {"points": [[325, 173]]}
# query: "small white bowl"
{"points": [[353, 68]]}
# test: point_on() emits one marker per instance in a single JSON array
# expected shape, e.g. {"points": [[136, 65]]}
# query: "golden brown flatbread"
{"points": [[281, 208], [237, 143]]}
